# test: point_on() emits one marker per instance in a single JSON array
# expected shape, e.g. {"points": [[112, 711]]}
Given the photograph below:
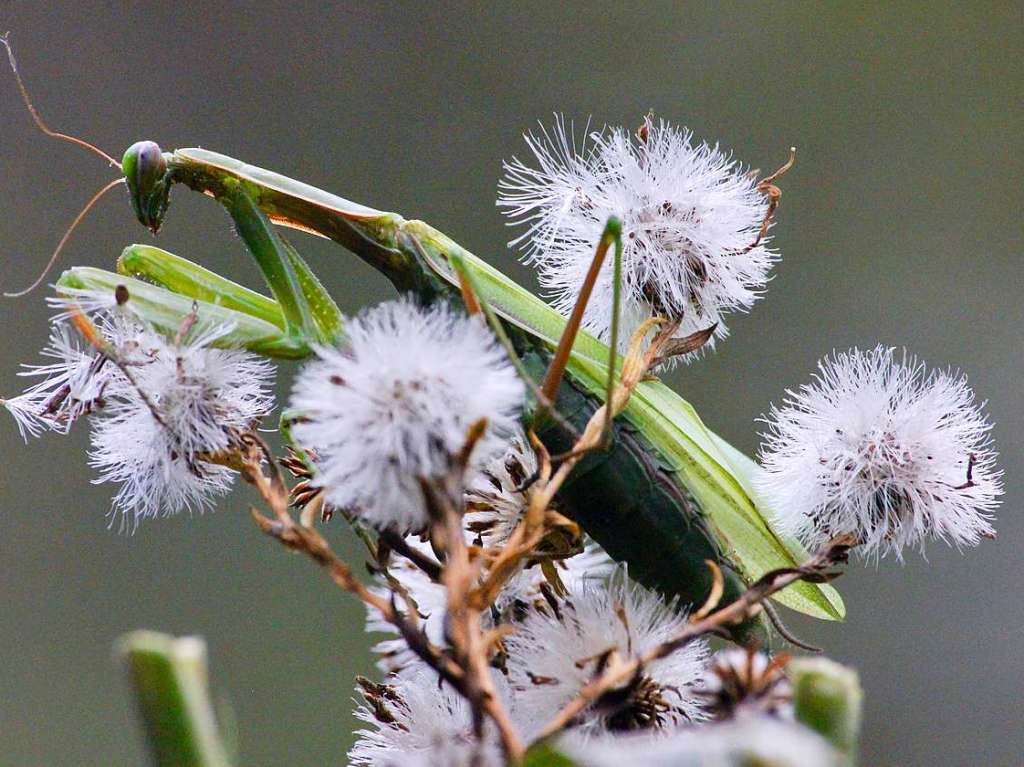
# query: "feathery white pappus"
{"points": [[876, 447], [151, 427], [416, 721], [74, 384], [690, 215], [748, 739], [186, 401], [397, 402], [553, 654]]}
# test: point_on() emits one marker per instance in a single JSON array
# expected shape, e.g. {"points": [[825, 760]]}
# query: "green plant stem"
{"points": [[169, 678]]}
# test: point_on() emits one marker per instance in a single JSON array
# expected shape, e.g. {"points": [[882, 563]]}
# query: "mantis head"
{"points": [[145, 171]]}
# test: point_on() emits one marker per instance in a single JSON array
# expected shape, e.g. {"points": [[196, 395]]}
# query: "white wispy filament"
{"points": [[75, 382], [396, 403], [185, 403], [878, 448], [418, 722], [552, 655], [689, 213]]}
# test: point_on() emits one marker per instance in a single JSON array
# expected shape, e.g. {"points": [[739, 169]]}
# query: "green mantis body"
{"points": [[666, 496]]}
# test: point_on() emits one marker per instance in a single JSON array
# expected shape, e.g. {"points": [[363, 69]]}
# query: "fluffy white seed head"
{"points": [[416, 722], [878, 448], [183, 403], [553, 653], [75, 382], [689, 214], [397, 402], [748, 739]]}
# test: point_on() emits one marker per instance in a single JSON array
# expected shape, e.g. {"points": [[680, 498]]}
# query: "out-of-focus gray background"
{"points": [[901, 224]]}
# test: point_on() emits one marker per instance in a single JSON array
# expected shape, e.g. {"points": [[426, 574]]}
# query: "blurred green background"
{"points": [[901, 224]]}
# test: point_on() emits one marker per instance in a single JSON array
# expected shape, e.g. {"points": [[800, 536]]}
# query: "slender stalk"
{"points": [[169, 678]]}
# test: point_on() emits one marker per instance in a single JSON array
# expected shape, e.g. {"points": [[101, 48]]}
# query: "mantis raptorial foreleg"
{"points": [[309, 312], [186, 278], [165, 310], [162, 288]]}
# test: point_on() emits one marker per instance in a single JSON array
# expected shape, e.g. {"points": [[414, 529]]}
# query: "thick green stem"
{"points": [[827, 697], [169, 679]]}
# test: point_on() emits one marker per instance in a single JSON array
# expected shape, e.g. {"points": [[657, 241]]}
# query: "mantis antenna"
{"points": [[41, 124], [64, 239], [37, 118]]}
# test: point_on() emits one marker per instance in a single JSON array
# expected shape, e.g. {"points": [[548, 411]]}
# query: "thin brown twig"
{"points": [[308, 541], [767, 187], [466, 666], [469, 648], [429, 566]]}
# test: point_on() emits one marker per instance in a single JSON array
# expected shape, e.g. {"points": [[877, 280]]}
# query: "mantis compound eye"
{"points": [[145, 169]]}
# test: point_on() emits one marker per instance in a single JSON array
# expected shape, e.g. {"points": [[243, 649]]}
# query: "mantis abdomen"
{"points": [[627, 499]]}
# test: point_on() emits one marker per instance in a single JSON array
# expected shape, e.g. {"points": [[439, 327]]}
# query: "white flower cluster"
{"points": [[564, 631], [690, 217], [878, 448], [160, 410], [559, 642], [396, 404]]}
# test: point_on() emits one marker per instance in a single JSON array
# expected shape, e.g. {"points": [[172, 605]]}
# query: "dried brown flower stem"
{"points": [[469, 647], [817, 569], [466, 667], [308, 541], [767, 187]]}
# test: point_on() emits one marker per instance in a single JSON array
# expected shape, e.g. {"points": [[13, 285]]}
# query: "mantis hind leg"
{"points": [[612, 235]]}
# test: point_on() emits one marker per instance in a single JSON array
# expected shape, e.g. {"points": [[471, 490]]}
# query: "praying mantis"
{"points": [[666, 496]]}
